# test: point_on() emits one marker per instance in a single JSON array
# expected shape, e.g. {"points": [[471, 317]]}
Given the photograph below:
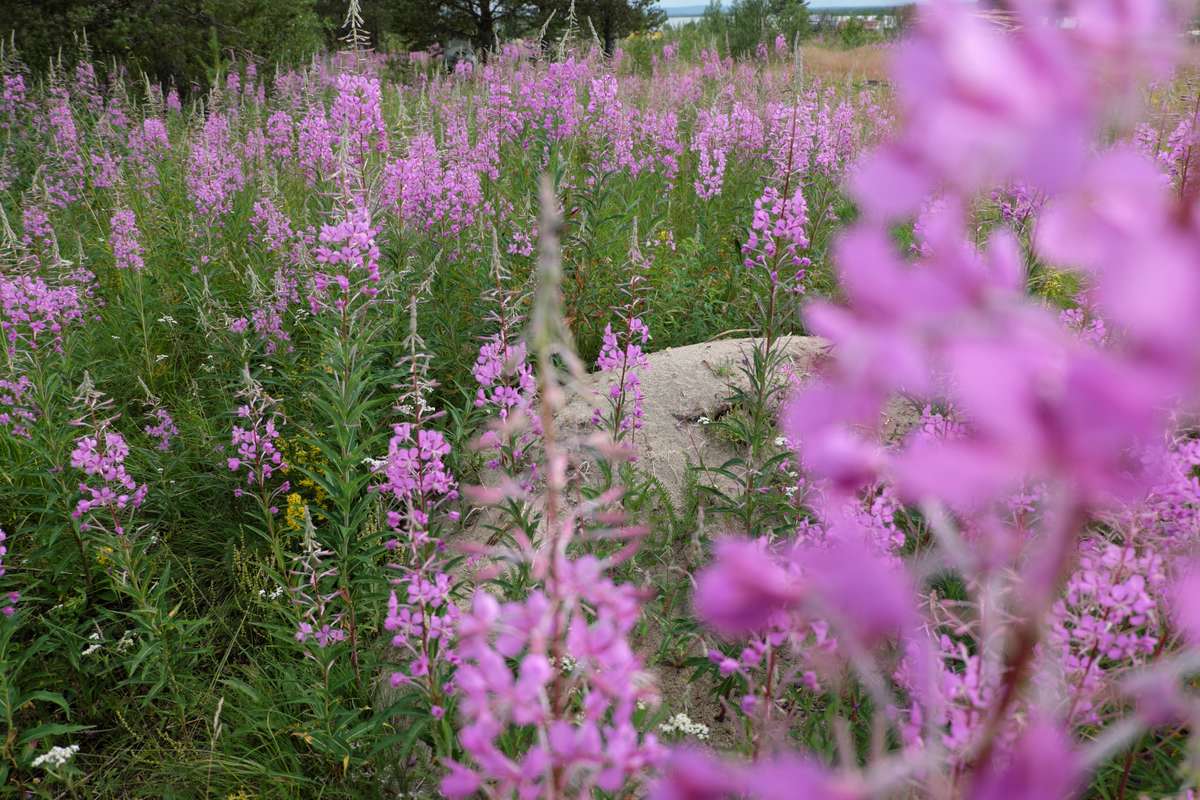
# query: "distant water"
{"points": [[675, 22]]}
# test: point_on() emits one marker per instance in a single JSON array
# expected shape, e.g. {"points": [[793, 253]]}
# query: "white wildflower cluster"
{"points": [[96, 643], [125, 642], [274, 594], [704, 421], [419, 405], [56, 756], [682, 724]]}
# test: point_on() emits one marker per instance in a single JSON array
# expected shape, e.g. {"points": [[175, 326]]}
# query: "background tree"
{"points": [[181, 39], [745, 23], [484, 23], [611, 19]]}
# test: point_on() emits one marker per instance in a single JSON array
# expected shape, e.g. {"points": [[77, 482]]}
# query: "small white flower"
{"points": [[161, 357], [681, 723], [704, 421], [56, 756], [167, 319], [781, 441], [126, 642]]}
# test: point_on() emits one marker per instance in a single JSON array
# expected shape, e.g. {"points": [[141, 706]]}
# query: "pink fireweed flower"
{"points": [[215, 171], [279, 137], [777, 236], [1108, 621], [744, 586], [1185, 602], [12, 99], [416, 487], [559, 660], [691, 774], [273, 230], [162, 428], [748, 587], [64, 178], [314, 593], [507, 389], [314, 145], [348, 251], [358, 115], [255, 442], [37, 231], [148, 143], [598, 749], [86, 89], [622, 358], [16, 410], [109, 488], [127, 250], [623, 364], [1042, 765], [1050, 429], [106, 169], [34, 313], [711, 141], [8, 603], [414, 463]]}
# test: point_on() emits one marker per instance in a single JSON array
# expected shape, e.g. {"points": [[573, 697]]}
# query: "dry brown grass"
{"points": [[866, 63]]}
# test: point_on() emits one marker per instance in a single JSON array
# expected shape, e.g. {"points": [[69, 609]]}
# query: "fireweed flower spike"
{"points": [[8, 600], [314, 592], [506, 384], [215, 172], [255, 447], [349, 257], [126, 247], [110, 495], [959, 330], [417, 488], [622, 357], [577, 748]]}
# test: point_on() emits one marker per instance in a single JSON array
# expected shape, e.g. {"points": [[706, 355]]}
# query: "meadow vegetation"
{"points": [[288, 507]]}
